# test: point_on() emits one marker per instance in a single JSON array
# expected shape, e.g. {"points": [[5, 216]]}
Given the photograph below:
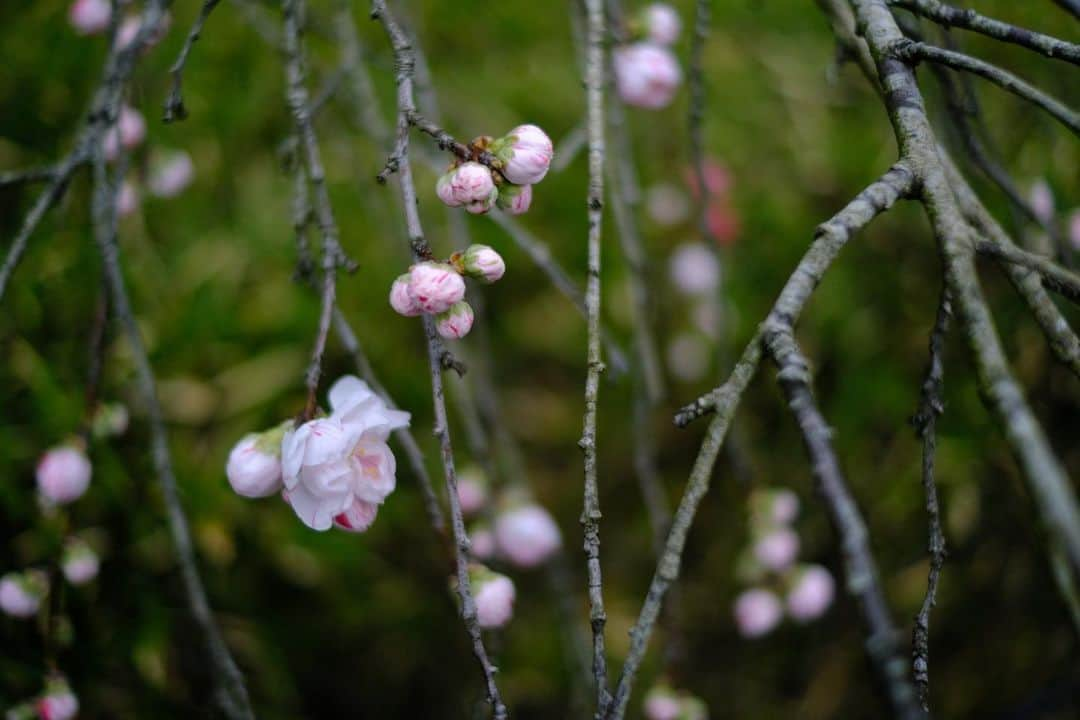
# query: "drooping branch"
{"points": [[174, 103], [968, 19], [907, 50], [590, 514], [1054, 498], [27, 175], [830, 239], [333, 257], [931, 405], [405, 63]]}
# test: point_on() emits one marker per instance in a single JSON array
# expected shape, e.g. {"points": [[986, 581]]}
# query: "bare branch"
{"points": [[1069, 6], [1054, 276], [830, 239], [590, 514], [27, 175], [931, 405], [905, 49], [968, 19], [405, 63], [174, 103]]}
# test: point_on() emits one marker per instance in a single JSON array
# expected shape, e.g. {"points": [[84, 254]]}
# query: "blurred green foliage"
{"points": [[362, 626]]}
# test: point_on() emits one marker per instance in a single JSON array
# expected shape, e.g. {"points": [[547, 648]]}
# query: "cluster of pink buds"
{"points": [[780, 585], [647, 74], [56, 702], [662, 702], [521, 159], [438, 288], [334, 470]]}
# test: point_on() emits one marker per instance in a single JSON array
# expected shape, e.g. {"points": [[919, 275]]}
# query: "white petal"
{"points": [[311, 511], [292, 454], [347, 392]]}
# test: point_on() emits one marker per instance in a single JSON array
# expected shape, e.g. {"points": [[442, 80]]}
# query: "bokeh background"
{"points": [[343, 625]]}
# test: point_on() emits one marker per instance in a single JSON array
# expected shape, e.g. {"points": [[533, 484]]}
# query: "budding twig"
{"points": [[405, 62]]}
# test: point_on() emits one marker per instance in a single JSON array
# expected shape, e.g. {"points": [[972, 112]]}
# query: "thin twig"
{"points": [[27, 175], [905, 49], [333, 256], [405, 63], [590, 514], [862, 579], [931, 405], [968, 19], [1054, 276], [174, 103]]}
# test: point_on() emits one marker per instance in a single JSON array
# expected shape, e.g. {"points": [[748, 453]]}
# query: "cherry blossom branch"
{"points": [[333, 257], [968, 19], [590, 515], [931, 405], [174, 103], [908, 50], [405, 63]]}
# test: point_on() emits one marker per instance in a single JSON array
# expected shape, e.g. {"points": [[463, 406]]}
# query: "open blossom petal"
{"points": [[357, 518], [374, 467]]}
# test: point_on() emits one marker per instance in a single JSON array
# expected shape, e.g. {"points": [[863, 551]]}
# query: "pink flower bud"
{"points": [[757, 612], [400, 299], [688, 357], [469, 184], [661, 703], [129, 131], [1041, 198], [21, 593], [662, 23], [471, 490], [494, 595], [58, 702], [1074, 230], [456, 322], [694, 269], [811, 595], [515, 199], [63, 474], [646, 75], [127, 199], [435, 286], [79, 562], [785, 506], [723, 222], [778, 549], [170, 174], [357, 518], [130, 27], [527, 535], [666, 204], [254, 467], [483, 263], [718, 179], [525, 153], [90, 17], [482, 543]]}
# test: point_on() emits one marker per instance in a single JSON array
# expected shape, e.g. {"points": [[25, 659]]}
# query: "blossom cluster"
{"points": [[694, 267], [62, 476], [521, 159], [438, 288], [770, 567], [168, 172], [334, 470], [508, 529], [647, 74]]}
